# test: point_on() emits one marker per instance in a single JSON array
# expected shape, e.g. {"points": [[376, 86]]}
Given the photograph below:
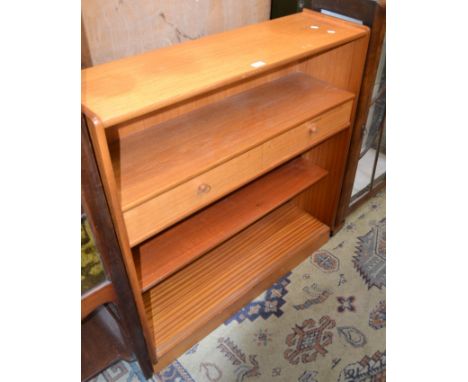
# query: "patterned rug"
{"points": [[324, 321]]}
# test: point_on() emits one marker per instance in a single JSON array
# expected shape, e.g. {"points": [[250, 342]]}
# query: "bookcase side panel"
{"points": [[342, 67]]}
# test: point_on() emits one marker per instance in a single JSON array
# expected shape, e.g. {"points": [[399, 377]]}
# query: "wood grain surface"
{"points": [[321, 201], [346, 73], [207, 291], [159, 158], [102, 294], [165, 254], [173, 205], [131, 87]]}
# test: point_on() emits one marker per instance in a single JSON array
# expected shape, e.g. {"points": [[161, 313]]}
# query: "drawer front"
{"points": [[302, 137], [153, 216]]}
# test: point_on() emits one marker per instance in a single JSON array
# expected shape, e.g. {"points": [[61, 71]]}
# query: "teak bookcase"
{"points": [[222, 161]]}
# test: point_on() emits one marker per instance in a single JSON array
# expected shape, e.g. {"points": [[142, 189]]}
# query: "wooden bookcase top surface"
{"points": [[131, 87]]}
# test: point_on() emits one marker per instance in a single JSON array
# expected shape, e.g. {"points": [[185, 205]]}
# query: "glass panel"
{"points": [[381, 161], [363, 176], [92, 271], [373, 147]]}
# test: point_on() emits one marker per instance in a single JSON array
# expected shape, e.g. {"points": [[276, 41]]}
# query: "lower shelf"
{"points": [[188, 305]]}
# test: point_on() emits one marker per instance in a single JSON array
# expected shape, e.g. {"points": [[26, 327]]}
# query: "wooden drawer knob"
{"points": [[204, 188], [313, 128]]}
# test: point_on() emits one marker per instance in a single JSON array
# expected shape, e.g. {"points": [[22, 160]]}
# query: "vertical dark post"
{"points": [[376, 159], [280, 8], [96, 207]]}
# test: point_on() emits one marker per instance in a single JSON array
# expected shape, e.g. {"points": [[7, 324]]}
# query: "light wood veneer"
{"points": [[163, 255], [228, 277], [152, 216], [133, 86], [154, 160]]}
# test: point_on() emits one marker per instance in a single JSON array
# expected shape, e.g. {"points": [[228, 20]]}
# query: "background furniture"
{"points": [[113, 29], [222, 161], [110, 325], [369, 129]]}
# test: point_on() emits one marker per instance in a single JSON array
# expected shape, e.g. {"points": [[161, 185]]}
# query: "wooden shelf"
{"points": [[97, 296], [186, 306], [118, 91], [178, 246], [154, 160]]}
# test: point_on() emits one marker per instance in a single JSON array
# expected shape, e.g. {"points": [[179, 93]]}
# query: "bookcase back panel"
{"points": [[321, 200], [159, 158], [342, 66]]}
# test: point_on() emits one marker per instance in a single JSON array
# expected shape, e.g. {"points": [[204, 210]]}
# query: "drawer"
{"points": [[310, 133], [158, 213]]}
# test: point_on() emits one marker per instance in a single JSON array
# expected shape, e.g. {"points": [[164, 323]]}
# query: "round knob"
{"points": [[204, 188], [313, 129]]}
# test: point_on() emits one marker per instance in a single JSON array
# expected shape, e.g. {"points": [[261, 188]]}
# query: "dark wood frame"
{"points": [[376, 184], [116, 291]]}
